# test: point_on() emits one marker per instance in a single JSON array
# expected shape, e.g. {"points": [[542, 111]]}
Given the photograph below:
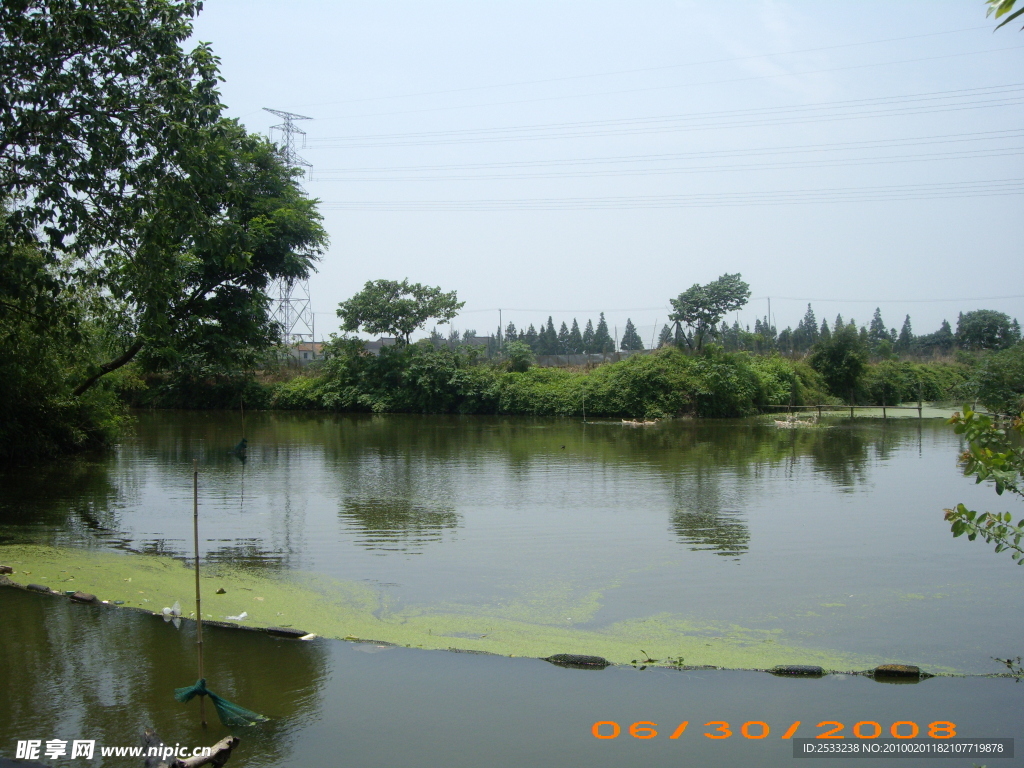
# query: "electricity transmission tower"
{"points": [[291, 309]]}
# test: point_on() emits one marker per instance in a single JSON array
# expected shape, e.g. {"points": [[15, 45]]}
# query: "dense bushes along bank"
{"points": [[421, 379]]}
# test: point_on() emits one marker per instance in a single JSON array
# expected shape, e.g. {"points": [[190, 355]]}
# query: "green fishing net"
{"points": [[229, 713]]}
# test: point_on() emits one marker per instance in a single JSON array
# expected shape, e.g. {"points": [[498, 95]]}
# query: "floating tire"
{"points": [[898, 673], [797, 670]]}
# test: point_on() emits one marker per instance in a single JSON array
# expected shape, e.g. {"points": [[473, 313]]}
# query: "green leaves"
{"points": [[991, 455], [1001, 8], [701, 307], [397, 308]]}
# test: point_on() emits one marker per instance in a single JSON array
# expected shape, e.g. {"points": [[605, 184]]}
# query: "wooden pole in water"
{"points": [[199, 604]]}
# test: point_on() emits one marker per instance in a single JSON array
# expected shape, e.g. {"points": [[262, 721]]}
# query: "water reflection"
{"points": [[396, 480], [81, 672], [397, 525]]}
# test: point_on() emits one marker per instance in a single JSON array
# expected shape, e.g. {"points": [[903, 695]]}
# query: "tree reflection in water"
{"points": [[397, 525]]}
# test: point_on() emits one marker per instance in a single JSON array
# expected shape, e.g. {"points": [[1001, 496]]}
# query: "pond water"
{"points": [[726, 543], [73, 671], [731, 543]]}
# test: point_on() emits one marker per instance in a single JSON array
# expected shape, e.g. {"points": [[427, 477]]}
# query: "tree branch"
{"points": [[113, 365]]}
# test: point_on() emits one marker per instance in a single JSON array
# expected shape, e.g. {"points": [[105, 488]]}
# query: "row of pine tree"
{"points": [[978, 329]]}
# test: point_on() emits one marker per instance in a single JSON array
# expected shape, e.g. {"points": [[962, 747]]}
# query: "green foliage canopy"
{"points": [[841, 359], [192, 275], [986, 329], [1000, 380], [397, 308], [97, 103], [701, 307]]}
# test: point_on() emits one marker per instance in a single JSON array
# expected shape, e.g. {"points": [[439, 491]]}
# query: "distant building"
{"points": [[374, 347], [305, 352]]}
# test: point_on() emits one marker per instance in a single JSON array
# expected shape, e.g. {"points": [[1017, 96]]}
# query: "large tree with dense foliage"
{"points": [[190, 279], [135, 220], [986, 329], [98, 103], [397, 308], [701, 307]]}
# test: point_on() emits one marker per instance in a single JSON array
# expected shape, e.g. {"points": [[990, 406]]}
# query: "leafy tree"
{"points": [[99, 105], [1000, 380], [200, 291], [701, 307], [841, 360], [519, 356], [602, 339], [824, 333], [630, 338], [665, 337], [397, 309], [510, 332], [986, 329], [991, 455], [575, 339], [941, 340], [588, 338], [165, 221]]}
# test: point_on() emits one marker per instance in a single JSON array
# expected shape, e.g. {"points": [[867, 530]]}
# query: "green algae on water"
{"points": [[540, 625]]}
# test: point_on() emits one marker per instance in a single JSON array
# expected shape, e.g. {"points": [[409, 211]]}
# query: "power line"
{"points": [[987, 97], [642, 69], [835, 163], [927, 191], [677, 86], [915, 141]]}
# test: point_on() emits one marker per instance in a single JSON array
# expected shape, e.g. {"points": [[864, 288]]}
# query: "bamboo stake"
{"points": [[199, 604]]}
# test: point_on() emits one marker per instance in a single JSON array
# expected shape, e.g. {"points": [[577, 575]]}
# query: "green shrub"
{"points": [[1000, 380]]}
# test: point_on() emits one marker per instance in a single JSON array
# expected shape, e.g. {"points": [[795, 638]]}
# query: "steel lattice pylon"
{"points": [[291, 306]]}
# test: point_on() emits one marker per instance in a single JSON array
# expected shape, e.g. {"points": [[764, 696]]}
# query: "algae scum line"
{"points": [[576, 659]]}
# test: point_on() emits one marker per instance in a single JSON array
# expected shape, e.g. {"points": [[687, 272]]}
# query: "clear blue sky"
{"points": [[572, 157]]}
